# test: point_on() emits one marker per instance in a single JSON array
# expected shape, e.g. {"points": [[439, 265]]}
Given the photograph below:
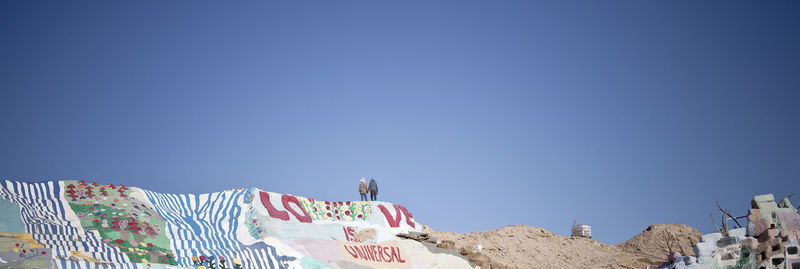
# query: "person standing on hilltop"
{"points": [[362, 189], [373, 189]]}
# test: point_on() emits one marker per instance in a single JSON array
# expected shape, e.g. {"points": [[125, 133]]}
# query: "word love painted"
{"points": [[375, 253]]}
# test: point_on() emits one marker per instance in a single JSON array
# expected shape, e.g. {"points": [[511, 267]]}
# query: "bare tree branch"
{"points": [[724, 223], [729, 215], [714, 221]]}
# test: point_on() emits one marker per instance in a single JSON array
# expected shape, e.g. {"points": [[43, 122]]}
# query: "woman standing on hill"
{"points": [[362, 189], [373, 189]]}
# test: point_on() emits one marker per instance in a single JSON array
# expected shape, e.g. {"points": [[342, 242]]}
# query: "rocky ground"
{"points": [[663, 238], [521, 246]]}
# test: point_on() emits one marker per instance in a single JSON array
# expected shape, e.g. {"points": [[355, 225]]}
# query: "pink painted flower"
{"points": [[347, 212]]}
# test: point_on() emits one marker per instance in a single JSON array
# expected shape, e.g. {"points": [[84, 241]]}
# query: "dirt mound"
{"points": [[521, 246], [659, 240]]}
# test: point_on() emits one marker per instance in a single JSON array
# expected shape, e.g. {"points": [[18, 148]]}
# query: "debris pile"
{"points": [[769, 240]]}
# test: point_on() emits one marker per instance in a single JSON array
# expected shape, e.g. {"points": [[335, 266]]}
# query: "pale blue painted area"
{"points": [[10, 220], [308, 262]]}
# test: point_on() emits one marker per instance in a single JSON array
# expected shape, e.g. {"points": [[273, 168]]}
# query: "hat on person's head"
{"points": [[362, 179], [372, 179]]}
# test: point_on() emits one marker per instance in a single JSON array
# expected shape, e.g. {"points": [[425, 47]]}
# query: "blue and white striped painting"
{"points": [[196, 225]]}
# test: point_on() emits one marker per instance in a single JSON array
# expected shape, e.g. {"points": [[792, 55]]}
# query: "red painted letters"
{"points": [[395, 221], [271, 209], [280, 214], [350, 234], [375, 253], [288, 198]]}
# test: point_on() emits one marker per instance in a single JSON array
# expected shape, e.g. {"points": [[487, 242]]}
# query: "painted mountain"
{"points": [[78, 224]]}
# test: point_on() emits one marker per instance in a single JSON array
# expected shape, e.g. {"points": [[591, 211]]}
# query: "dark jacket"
{"points": [[373, 186]]}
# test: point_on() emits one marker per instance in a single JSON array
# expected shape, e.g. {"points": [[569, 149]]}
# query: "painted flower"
{"points": [[237, 261], [202, 258], [120, 241], [221, 258], [347, 212], [360, 216], [194, 258], [329, 214]]}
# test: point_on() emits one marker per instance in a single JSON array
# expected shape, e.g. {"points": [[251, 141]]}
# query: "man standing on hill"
{"points": [[362, 189], [373, 189]]}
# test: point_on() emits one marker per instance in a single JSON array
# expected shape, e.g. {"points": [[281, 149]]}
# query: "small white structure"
{"points": [[582, 230]]}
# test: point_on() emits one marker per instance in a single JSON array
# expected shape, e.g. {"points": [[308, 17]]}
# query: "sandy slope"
{"points": [[659, 239], [523, 246]]}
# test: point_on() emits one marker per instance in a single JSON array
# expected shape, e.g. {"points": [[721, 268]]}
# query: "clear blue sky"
{"points": [[473, 114]]}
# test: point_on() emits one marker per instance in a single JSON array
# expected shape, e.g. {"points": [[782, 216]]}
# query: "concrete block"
{"points": [[791, 221], [760, 226], [712, 237], [784, 203], [740, 234], [764, 198], [704, 251]]}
